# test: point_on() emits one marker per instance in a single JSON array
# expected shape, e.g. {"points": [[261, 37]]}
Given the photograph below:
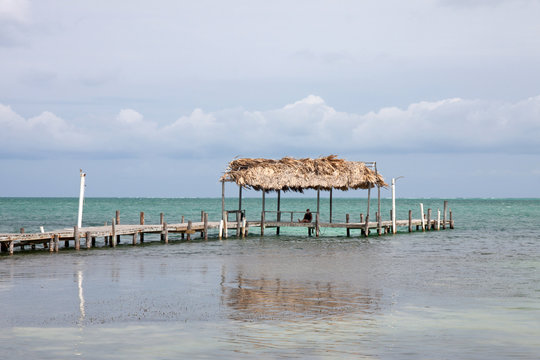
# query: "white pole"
{"points": [[81, 200], [393, 206]]}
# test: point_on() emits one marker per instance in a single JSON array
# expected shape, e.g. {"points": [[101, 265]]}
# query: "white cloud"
{"points": [[14, 10], [306, 127]]}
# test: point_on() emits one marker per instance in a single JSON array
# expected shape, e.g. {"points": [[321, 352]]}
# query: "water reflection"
{"points": [[292, 300], [81, 297]]}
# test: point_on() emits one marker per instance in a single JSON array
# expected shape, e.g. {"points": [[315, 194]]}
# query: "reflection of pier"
{"points": [[276, 299]]}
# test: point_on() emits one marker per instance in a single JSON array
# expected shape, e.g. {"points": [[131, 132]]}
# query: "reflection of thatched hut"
{"points": [[289, 174], [262, 299]]}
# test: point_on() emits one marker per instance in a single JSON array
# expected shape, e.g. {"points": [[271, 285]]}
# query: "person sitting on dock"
{"points": [[307, 217]]}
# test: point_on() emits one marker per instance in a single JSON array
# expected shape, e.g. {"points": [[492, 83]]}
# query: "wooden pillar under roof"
{"points": [[330, 205], [239, 202], [318, 200], [278, 210], [367, 214], [263, 200], [222, 197]]}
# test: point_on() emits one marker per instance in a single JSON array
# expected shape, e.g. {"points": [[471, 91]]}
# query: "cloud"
{"points": [[306, 127], [14, 10], [14, 19]]}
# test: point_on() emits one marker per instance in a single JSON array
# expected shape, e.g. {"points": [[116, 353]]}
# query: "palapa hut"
{"points": [[289, 174]]}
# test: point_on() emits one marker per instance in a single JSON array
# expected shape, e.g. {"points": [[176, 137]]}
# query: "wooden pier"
{"points": [[265, 175], [114, 234]]}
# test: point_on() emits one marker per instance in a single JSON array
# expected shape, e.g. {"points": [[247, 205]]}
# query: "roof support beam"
{"points": [[330, 205]]}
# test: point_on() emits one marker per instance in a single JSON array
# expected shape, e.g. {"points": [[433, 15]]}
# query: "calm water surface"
{"points": [[468, 293]]}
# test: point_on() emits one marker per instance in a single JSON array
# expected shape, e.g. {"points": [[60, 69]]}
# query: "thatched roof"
{"points": [[324, 173]]}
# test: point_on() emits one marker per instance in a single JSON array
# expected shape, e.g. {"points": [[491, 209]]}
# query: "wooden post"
{"points": [[205, 226], [238, 219], [262, 223], [10, 247], [391, 217], [117, 217], [161, 218], [429, 219], [51, 244], [134, 239], [113, 233], [56, 240], [189, 225], [278, 210], [379, 220], [225, 225], [451, 220], [410, 220], [445, 209], [422, 219], [182, 223], [222, 196], [88, 239], [239, 200], [361, 218], [366, 231], [142, 223], [202, 221], [76, 237], [347, 221], [165, 233], [318, 201], [317, 225], [438, 227], [330, 205]]}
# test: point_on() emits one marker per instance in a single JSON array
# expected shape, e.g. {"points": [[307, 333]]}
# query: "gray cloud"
{"points": [[306, 126]]}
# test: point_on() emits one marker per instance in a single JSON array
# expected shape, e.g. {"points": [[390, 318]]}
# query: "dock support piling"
{"points": [[202, 220], [445, 209], [142, 223], [347, 221], [189, 225], [56, 241], [10, 247], [134, 239], [182, 223], [451, 220], [113, 233], [76, 237], [165, 233], [317, 230], [205, 226], [438, 219], [410, 220], [88, 239], [422, 218], [225, 224], [262, 223], [278, 210], [51, 244], [428, 219]]}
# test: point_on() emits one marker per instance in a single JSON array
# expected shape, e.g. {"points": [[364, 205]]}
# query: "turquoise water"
{"points": [[468, 293]]}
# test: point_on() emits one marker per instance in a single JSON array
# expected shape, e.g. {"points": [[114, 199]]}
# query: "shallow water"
{"points": [[472, 292]]}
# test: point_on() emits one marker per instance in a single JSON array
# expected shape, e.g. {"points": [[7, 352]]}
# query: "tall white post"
{"points": [[393, 206], [81, 200]]}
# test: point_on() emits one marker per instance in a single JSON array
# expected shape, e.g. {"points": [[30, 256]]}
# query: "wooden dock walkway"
{"points": [[86, 237]]}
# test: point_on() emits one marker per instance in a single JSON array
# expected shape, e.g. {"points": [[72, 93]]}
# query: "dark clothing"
{"points": [[308, 217]]}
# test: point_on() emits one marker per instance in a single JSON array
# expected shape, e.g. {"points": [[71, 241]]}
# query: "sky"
{"points": [[153, 99]]}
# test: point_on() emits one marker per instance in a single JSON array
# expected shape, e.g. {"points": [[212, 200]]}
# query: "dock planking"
{"points": [[112, 233]]}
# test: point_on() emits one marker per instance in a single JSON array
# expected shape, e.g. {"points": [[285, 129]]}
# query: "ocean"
{"points": [[468, 293]]}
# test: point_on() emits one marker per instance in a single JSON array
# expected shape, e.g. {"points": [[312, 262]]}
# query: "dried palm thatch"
{"points": [[289, 174]]}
